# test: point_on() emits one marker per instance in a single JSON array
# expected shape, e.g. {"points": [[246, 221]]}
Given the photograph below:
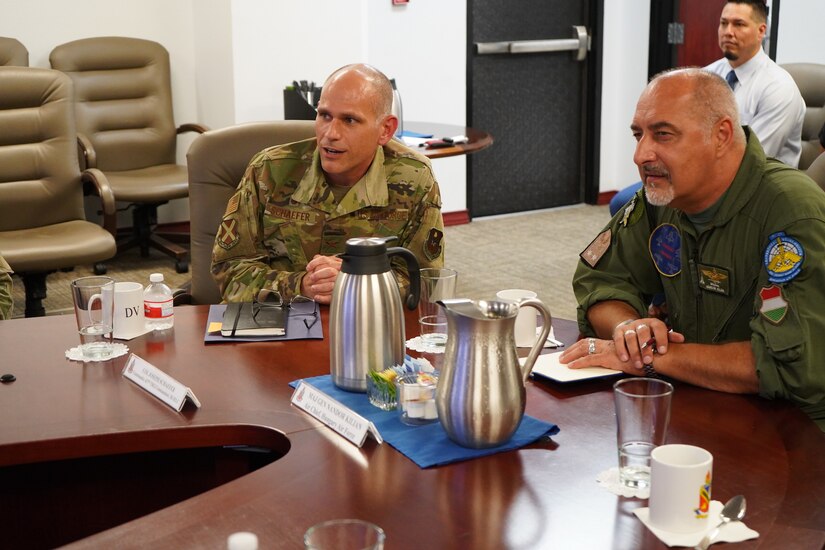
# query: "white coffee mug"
{"points": [[526, 322], [681, 477], [130, 320]]}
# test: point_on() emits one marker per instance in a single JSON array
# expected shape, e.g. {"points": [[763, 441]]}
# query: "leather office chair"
{"points": [[810, 79], [42, 220], [217, 161], [123, 103], [12, 52]]}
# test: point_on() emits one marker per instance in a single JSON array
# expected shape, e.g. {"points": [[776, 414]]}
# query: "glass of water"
{"points": [[642, 417], [94, 310]]}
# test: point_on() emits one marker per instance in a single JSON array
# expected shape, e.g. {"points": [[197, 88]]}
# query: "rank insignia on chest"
{"points": [[714, 279], [597, 247], [774, 306], [783, 258], [665, 247], [227, 236]]}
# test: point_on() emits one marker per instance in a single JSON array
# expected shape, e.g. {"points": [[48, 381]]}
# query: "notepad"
{"points": [[242, 319]]}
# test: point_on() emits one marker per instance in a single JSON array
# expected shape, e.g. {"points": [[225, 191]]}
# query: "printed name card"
{"points": [[340, 418], [158, 383]]}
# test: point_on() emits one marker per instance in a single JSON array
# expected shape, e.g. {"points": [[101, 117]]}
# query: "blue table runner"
{"points": [[426, 445]]}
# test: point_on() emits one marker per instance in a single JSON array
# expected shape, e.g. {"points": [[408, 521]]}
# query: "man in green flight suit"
{"points": [[6, 301], [297, 204], [734, 240]]}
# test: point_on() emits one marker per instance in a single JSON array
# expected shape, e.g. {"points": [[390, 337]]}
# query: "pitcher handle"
{"points": [[414, 273], [537, 304]]}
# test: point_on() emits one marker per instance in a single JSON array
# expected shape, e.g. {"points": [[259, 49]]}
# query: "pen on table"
{"points": [[651, 341], [455, 140]]}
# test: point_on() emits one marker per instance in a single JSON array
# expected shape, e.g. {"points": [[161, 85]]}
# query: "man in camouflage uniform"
{"points": [[6, 302], [297, 204], [735, 241]]}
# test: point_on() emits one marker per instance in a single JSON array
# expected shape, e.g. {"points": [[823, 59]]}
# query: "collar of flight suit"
{"points": [[746, 182], [370, 190]]}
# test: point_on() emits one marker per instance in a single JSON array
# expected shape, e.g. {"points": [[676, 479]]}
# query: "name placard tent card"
{"points": [[352, 426], [158, 383]]}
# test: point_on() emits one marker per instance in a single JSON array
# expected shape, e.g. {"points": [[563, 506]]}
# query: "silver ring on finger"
{"points": [[591, 346]]}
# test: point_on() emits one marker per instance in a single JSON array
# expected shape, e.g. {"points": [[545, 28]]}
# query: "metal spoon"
{"points": [[734, 510]]}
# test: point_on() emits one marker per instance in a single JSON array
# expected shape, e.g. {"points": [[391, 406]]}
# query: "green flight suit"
{"points": [[6, 301], [284, 213], [756, 272]]}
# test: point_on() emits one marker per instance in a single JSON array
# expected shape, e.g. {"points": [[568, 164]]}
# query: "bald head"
{"points": [[708, 96], [376, 85]]}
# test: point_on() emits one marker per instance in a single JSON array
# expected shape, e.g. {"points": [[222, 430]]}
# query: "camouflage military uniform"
{"points": [[6, 302], [284, 213]]}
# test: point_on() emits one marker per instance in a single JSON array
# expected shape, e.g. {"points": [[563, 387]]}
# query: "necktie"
{"points": [[732, 80]]}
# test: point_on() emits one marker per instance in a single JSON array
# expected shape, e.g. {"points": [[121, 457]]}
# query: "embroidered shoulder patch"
{"points": [[774, 306], [432, 247], [597, 247], [666, 249], [227, 235], [783, 258]]}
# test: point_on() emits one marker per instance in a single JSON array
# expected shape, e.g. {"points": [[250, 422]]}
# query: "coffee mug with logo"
{"points": [[129, 316]]}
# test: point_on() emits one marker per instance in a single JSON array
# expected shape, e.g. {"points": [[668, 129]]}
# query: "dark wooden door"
{"points": [[534, 104]]}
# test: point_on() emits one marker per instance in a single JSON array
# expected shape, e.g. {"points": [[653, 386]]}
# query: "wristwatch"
{"points": [[649, 371]]}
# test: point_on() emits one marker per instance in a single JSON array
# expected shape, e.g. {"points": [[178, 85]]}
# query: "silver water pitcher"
{"points": [[480, 396], [366, 319]]}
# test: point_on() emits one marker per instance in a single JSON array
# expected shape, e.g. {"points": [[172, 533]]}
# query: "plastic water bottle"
{"points": [[157, 304]]}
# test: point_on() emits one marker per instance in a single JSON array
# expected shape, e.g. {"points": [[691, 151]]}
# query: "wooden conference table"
{"points": [[476, 139], [543, 496]]}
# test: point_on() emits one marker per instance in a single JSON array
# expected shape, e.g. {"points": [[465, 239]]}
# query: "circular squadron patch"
{"points": [[783, 258], [666, 249]]}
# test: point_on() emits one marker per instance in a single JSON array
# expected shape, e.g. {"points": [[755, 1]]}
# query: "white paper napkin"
{"points": [[609, 479], [417, 344], [732, 532], [75, 354]]}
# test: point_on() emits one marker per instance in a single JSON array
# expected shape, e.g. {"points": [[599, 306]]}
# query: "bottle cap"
{"points": [[156, 278]]}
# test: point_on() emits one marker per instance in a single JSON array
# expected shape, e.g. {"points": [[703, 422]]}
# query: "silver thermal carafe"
{"points": [[366, 320]]}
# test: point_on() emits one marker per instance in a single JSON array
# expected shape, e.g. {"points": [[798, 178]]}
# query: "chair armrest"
{"points": [[192, 127], [95, 181], [86, 152], [183, 296]]}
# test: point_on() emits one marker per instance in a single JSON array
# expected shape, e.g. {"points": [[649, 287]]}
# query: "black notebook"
{"points": [[241, 319]]}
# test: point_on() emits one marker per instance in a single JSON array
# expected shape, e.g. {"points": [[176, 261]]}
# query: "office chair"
{"points": [[123, 104], [816, 171], [217, 161], [43, 226], [12, 52], [810, 79]]}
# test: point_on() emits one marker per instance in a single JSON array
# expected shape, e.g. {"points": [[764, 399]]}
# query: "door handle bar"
{"points": [[580, 43]]}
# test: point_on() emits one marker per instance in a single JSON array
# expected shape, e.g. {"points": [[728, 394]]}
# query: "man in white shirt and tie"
{"points": [[768, 99]]}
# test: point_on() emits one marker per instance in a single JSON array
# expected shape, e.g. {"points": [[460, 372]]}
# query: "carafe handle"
{"points": [[413, 270], [545, 332]]}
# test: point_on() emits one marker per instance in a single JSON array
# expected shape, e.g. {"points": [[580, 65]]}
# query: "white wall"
{"points": [[801, 36], [624, 75]]}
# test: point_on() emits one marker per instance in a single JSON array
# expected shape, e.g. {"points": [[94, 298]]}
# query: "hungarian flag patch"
{"points": [[774, 307]]}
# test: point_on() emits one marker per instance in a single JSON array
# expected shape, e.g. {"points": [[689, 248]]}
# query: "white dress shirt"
{"points": [[770, 103]]}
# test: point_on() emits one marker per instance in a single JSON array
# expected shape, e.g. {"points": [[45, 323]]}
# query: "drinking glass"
{"points": [[642, 416], [94, 310], [344, 534], [436, 284]]}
